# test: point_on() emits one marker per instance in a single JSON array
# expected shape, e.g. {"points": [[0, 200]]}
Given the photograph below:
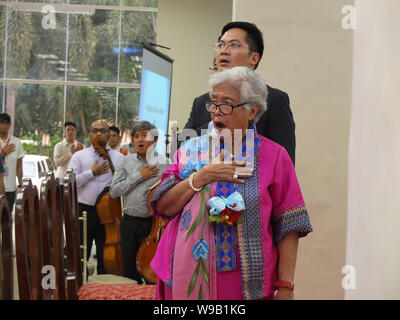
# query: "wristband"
{"points": [[284, 284], [191, 183]]}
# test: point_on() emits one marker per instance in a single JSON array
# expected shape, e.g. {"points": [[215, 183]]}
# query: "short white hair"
{"points": [[251, 86]]}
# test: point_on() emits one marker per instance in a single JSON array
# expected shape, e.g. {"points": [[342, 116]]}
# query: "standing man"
{"points": [[114, 141], [133, 178], [64, 150], [12, 153], [93, 175], [242, 44]]}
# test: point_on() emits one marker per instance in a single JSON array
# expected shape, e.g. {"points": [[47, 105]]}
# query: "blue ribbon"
{"points": [[234, 202]]}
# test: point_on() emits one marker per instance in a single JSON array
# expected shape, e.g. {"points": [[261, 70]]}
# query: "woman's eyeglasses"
{"points": [[102, 131], [225, 108]]}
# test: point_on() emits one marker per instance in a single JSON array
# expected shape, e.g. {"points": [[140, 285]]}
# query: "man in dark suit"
{"points": [[242, 44]]}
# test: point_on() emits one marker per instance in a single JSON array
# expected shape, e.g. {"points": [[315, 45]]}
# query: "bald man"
{"points": [[93, 175]]}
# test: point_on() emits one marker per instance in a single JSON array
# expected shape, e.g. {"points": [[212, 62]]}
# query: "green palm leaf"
{"points": [[193, 280], [204, 271], [200, 295]]}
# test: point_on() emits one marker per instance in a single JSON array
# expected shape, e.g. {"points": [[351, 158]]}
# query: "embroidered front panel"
{"points": [[225, 246], [249, 238], [225, 235]]}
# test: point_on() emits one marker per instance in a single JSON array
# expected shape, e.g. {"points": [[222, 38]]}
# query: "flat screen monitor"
{"points": [[155, 92]]}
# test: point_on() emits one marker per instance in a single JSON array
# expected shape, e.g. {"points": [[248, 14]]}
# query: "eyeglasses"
{"points": [[225, 108], [231, 45], [102, 131]]}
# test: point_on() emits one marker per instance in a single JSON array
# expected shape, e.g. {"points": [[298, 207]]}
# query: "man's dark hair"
{"points": [[69, 123], [5, 117], [144, 125], [254, 36], [114, 128]]}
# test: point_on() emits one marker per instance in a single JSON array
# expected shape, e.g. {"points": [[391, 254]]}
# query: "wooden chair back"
{"points": [[52, 221], [72, 235], [6, 250], [28, 242]]}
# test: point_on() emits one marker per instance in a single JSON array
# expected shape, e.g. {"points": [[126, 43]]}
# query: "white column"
{"points": [[373, 235]]}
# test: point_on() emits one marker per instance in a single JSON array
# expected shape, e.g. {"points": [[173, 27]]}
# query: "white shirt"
{"points": [[62, 156], [10, 165], [116, 148], [90, 186]]}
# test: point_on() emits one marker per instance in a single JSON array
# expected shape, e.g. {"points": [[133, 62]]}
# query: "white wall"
{"points": [[309, 55], [373, 235], [190, 28]]}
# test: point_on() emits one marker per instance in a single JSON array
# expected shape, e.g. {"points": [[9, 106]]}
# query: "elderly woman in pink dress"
{"points": [[235, 206]]}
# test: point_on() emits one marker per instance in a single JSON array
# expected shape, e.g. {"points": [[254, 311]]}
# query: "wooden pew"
{"points": [[39, 243], [28, 242], [52, 221], [73, 241], [108, 287], [40, 240], [6, 251]]}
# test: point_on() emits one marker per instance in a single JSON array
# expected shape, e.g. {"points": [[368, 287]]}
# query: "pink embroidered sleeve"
{"points": [[289, 213]]}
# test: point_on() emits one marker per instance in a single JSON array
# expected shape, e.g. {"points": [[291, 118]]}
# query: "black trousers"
{"points": [[96, 232], [10, 199], [133, 230]]}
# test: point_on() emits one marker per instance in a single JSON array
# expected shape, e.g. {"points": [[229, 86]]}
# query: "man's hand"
{"points": [[148, 172], [8, 148], [76, 148], [99, 169]]}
